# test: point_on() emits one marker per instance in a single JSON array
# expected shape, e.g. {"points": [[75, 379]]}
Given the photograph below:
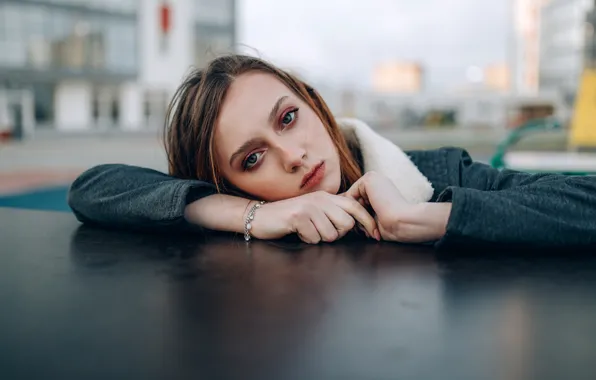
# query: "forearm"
{"points": [[556, 213], [218, 212], [125, 196]]}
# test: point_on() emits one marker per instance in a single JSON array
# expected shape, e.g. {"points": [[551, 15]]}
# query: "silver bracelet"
{"points": [[249, 218]]}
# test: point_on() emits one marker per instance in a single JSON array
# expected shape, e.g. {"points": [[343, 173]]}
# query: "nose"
{"points": [[292, 156]]}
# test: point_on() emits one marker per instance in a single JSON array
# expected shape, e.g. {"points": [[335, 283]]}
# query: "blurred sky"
{"points": [[339, 41]]}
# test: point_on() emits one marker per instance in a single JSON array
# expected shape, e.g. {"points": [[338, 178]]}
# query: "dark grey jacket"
{"points": [[488, 205]]}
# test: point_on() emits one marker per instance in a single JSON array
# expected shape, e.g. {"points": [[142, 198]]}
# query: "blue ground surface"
{"points": [[50, 199]]}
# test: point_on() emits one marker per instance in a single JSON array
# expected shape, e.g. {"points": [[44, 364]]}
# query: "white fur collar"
{"points": [[381, 155]]}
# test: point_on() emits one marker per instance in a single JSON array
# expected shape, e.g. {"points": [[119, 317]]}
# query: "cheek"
{"points": [[264, 183], [318, 136], [325, 144]]}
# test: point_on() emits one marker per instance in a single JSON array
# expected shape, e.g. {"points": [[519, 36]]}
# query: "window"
{"points": [[110, 5], [209, 46], [120, 45], [44, 103], [219, 12], [155, 107], [105, 106], [13, 46], [38, 37], [115, 114]]}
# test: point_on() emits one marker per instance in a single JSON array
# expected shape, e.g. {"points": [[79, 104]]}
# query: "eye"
{"points": [[289, 117], [251, 160]]}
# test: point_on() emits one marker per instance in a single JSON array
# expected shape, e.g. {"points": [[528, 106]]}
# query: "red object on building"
{"points": [[5, 135], [165, 14]]}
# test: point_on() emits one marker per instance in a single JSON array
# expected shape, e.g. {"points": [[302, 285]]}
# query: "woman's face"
{"points": [[271, 144]]}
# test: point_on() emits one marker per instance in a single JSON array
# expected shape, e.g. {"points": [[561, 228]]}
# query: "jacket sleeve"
{"points": [[510, 207], [123, 196]]}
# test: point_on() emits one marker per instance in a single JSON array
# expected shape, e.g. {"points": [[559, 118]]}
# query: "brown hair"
{"points": [[195, 106]]}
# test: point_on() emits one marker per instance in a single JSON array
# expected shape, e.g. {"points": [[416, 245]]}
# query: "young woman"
{"points": [[255, 150]]}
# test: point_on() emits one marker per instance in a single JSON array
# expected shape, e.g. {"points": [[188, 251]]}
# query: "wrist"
{"points": [[249, 218], [261, 227], [219, 212], [423, 222], [434, 217]]}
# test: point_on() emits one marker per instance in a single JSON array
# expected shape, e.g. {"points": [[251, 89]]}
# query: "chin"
{"points": [[332, 189], [331, 186]]}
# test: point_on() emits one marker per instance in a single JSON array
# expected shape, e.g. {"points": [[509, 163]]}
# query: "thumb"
{"points": [[358, 193], [357, 197], [349, 193]]}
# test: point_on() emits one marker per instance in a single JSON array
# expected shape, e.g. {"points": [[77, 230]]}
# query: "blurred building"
{"points": [[590, 43], [101, 64], [497, 77], [526, 45], [563, 34], [398, 78]]}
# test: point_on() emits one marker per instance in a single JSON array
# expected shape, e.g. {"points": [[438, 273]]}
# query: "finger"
{"points": [[357, 191], [341, 220], [382, 232], [326, 229], [307, 232], [358, 212]]}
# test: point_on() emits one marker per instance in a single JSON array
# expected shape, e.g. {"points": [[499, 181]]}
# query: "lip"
{"points": [[313, 177]]}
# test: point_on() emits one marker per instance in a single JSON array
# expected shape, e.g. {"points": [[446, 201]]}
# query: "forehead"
{"points": [[250, 99]]}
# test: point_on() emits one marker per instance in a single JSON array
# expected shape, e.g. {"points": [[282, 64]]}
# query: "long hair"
{"points": [[195, 106]]}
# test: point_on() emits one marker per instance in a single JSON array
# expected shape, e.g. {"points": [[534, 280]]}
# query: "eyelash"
{"points": [[290, 111]]}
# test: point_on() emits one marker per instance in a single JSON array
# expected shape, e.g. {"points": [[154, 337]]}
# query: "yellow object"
{"points": [[583, 124]]}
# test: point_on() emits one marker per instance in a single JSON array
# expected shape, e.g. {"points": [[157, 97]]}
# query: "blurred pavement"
{"points": [[57, 159]]}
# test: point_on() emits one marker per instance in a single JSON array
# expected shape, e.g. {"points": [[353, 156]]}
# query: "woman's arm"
{"points": [[480, 204], [137, 198], [505, 206], [123, 196]]}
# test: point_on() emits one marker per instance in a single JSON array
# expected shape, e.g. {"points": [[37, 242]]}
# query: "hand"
{"points": [[397, 219], [315, 217]]}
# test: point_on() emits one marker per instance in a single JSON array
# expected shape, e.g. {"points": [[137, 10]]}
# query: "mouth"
{"points": [[313, 177]]}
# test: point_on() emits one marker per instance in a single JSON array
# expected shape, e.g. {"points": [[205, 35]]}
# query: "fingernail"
{"points": [[377, 234]]}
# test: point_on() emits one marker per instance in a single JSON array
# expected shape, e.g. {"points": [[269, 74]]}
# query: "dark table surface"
{"points": [[84, 303]]}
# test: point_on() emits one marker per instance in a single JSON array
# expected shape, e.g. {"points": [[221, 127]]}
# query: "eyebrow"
{"points": [[255, 141], [247, 145], [275, 109]]}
